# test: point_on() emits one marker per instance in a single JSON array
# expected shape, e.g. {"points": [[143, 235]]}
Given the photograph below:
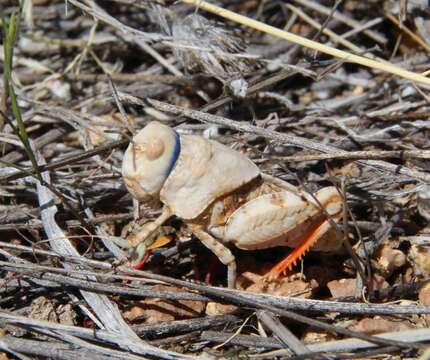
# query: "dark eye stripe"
{"points": [[175, 155]]}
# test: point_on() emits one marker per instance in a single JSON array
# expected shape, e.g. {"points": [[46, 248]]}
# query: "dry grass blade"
{"points": [[309, 43], [345, 345], [10, 35], [64, 162]]}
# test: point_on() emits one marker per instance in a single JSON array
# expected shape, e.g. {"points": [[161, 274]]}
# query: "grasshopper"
{"points": [[224, 199]]}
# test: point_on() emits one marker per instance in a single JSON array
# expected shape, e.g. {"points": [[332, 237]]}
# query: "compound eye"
{"points": [[154, 149]]}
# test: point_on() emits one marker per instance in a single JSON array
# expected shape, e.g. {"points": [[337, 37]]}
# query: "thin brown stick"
{"points": [[64, 162], [291, 303], [359, 155]]}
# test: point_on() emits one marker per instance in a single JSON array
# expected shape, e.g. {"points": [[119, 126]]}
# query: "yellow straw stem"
{"points": [[348, 57], [416, 38]]}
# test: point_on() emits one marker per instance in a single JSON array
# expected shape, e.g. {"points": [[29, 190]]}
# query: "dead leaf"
{"points": [[378, 325], [420, 259], [66, 314], [424, 295], [424, 202], [297, 288], [347, 287], [43, 309], [350, 169], [312, 336], [379, 283], [134, 312], [97, 139], [214, 308], [157, 310], [293, 285], [342, 288], [390, 259]]}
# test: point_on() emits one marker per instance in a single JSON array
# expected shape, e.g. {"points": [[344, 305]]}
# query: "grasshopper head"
{"points": [[149, 159]]}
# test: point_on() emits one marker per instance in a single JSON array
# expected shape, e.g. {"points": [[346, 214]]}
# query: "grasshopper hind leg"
{"points": [[305, 244]]}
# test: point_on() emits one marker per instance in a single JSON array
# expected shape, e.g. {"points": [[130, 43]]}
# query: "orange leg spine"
{"points": [[297, 254]]}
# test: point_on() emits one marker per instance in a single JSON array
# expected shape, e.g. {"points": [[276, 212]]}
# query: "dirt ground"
{"points": [[83, 271]]}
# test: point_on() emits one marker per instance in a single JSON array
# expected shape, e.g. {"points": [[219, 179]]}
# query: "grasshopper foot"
{"points": [[140, 254]]}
